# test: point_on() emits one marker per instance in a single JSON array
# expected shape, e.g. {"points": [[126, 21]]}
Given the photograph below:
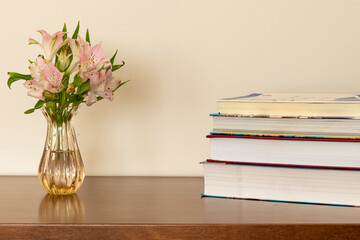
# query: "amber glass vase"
{"points": [[61, 170]]}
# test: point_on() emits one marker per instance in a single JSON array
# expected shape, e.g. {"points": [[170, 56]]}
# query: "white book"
{"points": [[343, 153], [302, 185]]}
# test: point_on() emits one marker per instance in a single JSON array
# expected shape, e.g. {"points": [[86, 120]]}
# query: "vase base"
{"points": [[54, 190], [61, 191]]}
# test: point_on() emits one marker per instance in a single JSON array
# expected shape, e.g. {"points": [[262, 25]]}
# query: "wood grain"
{"points": [[166, 232], [160, 208]]}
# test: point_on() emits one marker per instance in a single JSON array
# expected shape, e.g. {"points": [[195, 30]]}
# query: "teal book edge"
{"points": [[282, 201]]}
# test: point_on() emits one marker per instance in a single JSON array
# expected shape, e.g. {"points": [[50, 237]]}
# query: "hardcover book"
{"points": [[285, 184], [288, 127], [341, 153], [292, 105]]}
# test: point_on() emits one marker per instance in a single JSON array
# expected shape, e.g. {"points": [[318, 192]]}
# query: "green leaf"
{"points": [[50, 104], [101, 68], [77, 80], [83, 87], [113, 57], [116, 67], [65, 31], [120, 85], [39, 104], [11, 80], [19, 75], [88, 36], [31, 110], [76, 32], [15, 77]]}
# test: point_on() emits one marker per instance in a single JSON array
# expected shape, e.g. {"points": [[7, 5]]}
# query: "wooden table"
{"points": [[160, 208]]}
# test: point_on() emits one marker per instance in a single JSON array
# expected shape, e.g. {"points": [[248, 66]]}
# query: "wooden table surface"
{"points": [[160, 208]]}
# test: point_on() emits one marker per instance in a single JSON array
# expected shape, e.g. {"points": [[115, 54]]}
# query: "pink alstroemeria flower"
{"points": [[45, 76], [53, 78], [36, 89], [97, 82], [76, 45], [102, 84], [91, 59], [50, 43], [37, 67], [90, 98], [36, 84], [111, 85]]}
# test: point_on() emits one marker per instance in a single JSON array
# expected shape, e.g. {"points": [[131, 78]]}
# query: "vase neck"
{"points": [[60, 131], [59, 116]]}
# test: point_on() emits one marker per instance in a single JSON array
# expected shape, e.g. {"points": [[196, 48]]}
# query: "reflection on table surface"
{"points": [[151, 200], [61, 209]]}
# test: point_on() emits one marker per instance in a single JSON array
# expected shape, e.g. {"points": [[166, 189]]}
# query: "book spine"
{"points": [[283, 138], [281, 201], [284, 165]]}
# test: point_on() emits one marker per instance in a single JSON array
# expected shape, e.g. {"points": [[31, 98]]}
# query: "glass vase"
{"points": [[61, 170]]}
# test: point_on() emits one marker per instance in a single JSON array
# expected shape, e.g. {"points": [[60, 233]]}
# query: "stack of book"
{"points": [[301, 148]]}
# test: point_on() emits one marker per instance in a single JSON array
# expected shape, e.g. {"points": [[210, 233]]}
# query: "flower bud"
{"points": [[70, 88], [63, 61]]}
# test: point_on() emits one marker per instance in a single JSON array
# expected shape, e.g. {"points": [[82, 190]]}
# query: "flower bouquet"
{"points": [[69, 72]]}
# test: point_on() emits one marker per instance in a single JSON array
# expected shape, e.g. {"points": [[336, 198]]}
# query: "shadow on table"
{"points": [[61, 209]]}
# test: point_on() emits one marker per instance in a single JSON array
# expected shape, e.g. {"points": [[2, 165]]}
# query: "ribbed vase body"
{"points": [[61, 170]]}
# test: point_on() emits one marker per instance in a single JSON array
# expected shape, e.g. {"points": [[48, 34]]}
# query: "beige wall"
{"points": [[181, 56]]}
